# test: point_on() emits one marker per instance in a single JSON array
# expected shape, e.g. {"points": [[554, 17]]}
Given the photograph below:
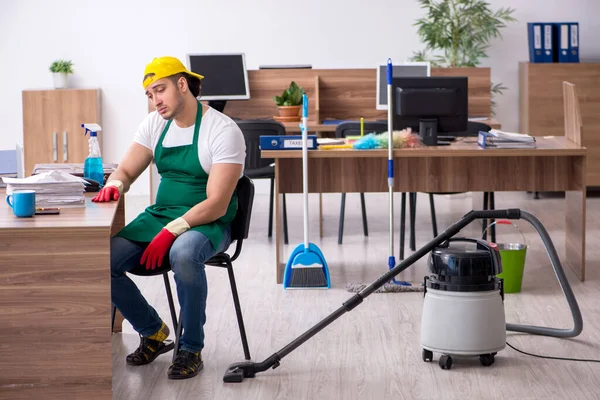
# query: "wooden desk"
{"points": [[55, 302], [294, 127], [558, 164]]}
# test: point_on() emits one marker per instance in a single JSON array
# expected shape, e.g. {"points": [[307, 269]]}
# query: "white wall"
{"points": [[111, 41]]}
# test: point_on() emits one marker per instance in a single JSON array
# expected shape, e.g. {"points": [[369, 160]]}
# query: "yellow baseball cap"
{"points": [[161, 67]]}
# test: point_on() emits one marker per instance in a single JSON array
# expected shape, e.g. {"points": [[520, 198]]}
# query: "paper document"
{"points": [[511, 136], [52, 188]]}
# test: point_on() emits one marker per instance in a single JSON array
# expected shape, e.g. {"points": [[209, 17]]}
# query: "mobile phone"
{"points": [[47, 211]]}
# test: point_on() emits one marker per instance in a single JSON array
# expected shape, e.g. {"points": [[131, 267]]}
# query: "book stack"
{"points": [[52, 189], [505, 140]]}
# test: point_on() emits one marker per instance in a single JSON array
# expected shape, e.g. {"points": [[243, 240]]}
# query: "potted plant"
{"points": [[61, 69], [289, 103], [461, 30]]}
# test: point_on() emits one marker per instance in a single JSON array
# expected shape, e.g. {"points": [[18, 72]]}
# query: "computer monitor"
{"points": [[225, 77], [431, 106], [405, 70]]}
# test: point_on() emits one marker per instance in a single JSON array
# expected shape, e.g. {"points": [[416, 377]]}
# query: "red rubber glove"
{"points": [[155, 252], [159, 246], [110, 192]]}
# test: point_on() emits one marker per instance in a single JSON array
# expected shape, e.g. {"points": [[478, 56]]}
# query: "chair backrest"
{"points": [[253, 130], [573, 120], [241, 223], [353, 128], [473, 128]]}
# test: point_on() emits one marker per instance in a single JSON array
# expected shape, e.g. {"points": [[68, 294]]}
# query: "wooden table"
{"points": [[557, 164], [55, 302]]}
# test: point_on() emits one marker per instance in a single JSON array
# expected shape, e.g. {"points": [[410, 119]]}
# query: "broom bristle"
{"points": [[308, 277]]}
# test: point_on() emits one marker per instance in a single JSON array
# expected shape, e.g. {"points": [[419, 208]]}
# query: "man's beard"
{"points": [[177, 109]]}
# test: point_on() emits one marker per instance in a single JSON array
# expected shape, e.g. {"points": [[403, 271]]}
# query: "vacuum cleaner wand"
{"points": [[238, 371]]}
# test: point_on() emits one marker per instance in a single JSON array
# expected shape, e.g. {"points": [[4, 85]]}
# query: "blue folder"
{"points": [[536, 39], [574, 42], [287, 142], [561, 42], [547, 34]]}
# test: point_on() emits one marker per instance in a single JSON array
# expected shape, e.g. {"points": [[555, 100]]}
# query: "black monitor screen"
{"points": [[225, 75], [444, 99]]}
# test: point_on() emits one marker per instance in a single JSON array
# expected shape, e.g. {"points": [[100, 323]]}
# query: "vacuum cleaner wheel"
{"points": [[446, 362]]}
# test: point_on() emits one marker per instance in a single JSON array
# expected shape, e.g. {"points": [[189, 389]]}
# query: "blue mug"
{"points": [[22, 203]]}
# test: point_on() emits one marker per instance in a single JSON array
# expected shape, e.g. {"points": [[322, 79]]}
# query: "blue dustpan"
{"points": [[306, 269]]}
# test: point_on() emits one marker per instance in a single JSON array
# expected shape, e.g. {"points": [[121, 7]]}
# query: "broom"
{"points": [[306, 267]]}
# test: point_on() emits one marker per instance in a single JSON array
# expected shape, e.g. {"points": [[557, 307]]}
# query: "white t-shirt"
{"points": [[220, 140]]}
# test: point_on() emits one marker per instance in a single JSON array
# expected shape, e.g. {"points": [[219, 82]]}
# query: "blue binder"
{"points": [[548, 54], [574, 42], [287, 142], [561, 42], [536, 39]]}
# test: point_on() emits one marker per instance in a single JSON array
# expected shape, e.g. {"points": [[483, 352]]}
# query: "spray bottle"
{"points": [[92, 168]]}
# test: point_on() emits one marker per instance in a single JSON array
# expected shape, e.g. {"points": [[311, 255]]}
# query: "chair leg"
{"points": [[238, 311], [484, 220], [413, 216], [402, 224], [433, 218], [285, 225], [493, 207], [170, 298], [364, 214], [342, 214], [271, 207], [113, 312], [178, 332]]}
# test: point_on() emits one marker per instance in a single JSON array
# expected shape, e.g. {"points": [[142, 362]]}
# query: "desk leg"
{"points": [[575, 214], [117, 225], [279, 261]]}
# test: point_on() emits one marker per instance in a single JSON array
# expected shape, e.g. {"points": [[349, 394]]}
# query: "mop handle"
{"points": [[305, 165], [390, 160]]}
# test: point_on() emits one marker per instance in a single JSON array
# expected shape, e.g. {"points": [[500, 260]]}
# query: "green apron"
{"points": [[182, 186]]}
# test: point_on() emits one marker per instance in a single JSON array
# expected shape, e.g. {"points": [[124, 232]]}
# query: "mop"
{"points": [[394, 285]]}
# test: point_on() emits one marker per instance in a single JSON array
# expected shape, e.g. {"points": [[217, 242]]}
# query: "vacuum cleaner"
{"points": [[463, 307]]}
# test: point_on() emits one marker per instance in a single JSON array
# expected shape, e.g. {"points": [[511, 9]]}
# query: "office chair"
{"points": [[473, 129], [345, 129], [353, 129], [263, 168], [239, 231]]}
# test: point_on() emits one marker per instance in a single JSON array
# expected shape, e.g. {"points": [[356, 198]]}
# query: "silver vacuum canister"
{"points": [[463, 308]]}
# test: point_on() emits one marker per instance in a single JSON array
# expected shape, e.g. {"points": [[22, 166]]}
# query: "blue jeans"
{"points": [[187, 256]]}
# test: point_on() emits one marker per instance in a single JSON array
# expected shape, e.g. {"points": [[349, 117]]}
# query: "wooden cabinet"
{"points": [[52, 119], [541, 111]]}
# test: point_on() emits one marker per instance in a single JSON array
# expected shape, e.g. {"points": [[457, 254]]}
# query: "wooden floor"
{"points": [[373, 352]]}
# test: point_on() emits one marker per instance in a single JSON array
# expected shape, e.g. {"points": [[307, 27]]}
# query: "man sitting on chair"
{"points": [[200, 155]]}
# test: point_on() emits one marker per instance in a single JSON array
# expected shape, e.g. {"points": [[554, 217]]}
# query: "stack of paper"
{"points": [[73, 169], [506, 140], [52, 189]]}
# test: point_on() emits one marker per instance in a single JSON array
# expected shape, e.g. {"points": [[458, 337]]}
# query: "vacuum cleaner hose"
{"points": [[564, 284]]}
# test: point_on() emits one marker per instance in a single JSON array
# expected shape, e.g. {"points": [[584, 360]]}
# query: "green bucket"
{"points": [[513, 260]]}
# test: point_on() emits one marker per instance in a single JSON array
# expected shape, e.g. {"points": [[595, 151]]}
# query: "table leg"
{"points": [[117, 225], [279, 262], [575, 215]]}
